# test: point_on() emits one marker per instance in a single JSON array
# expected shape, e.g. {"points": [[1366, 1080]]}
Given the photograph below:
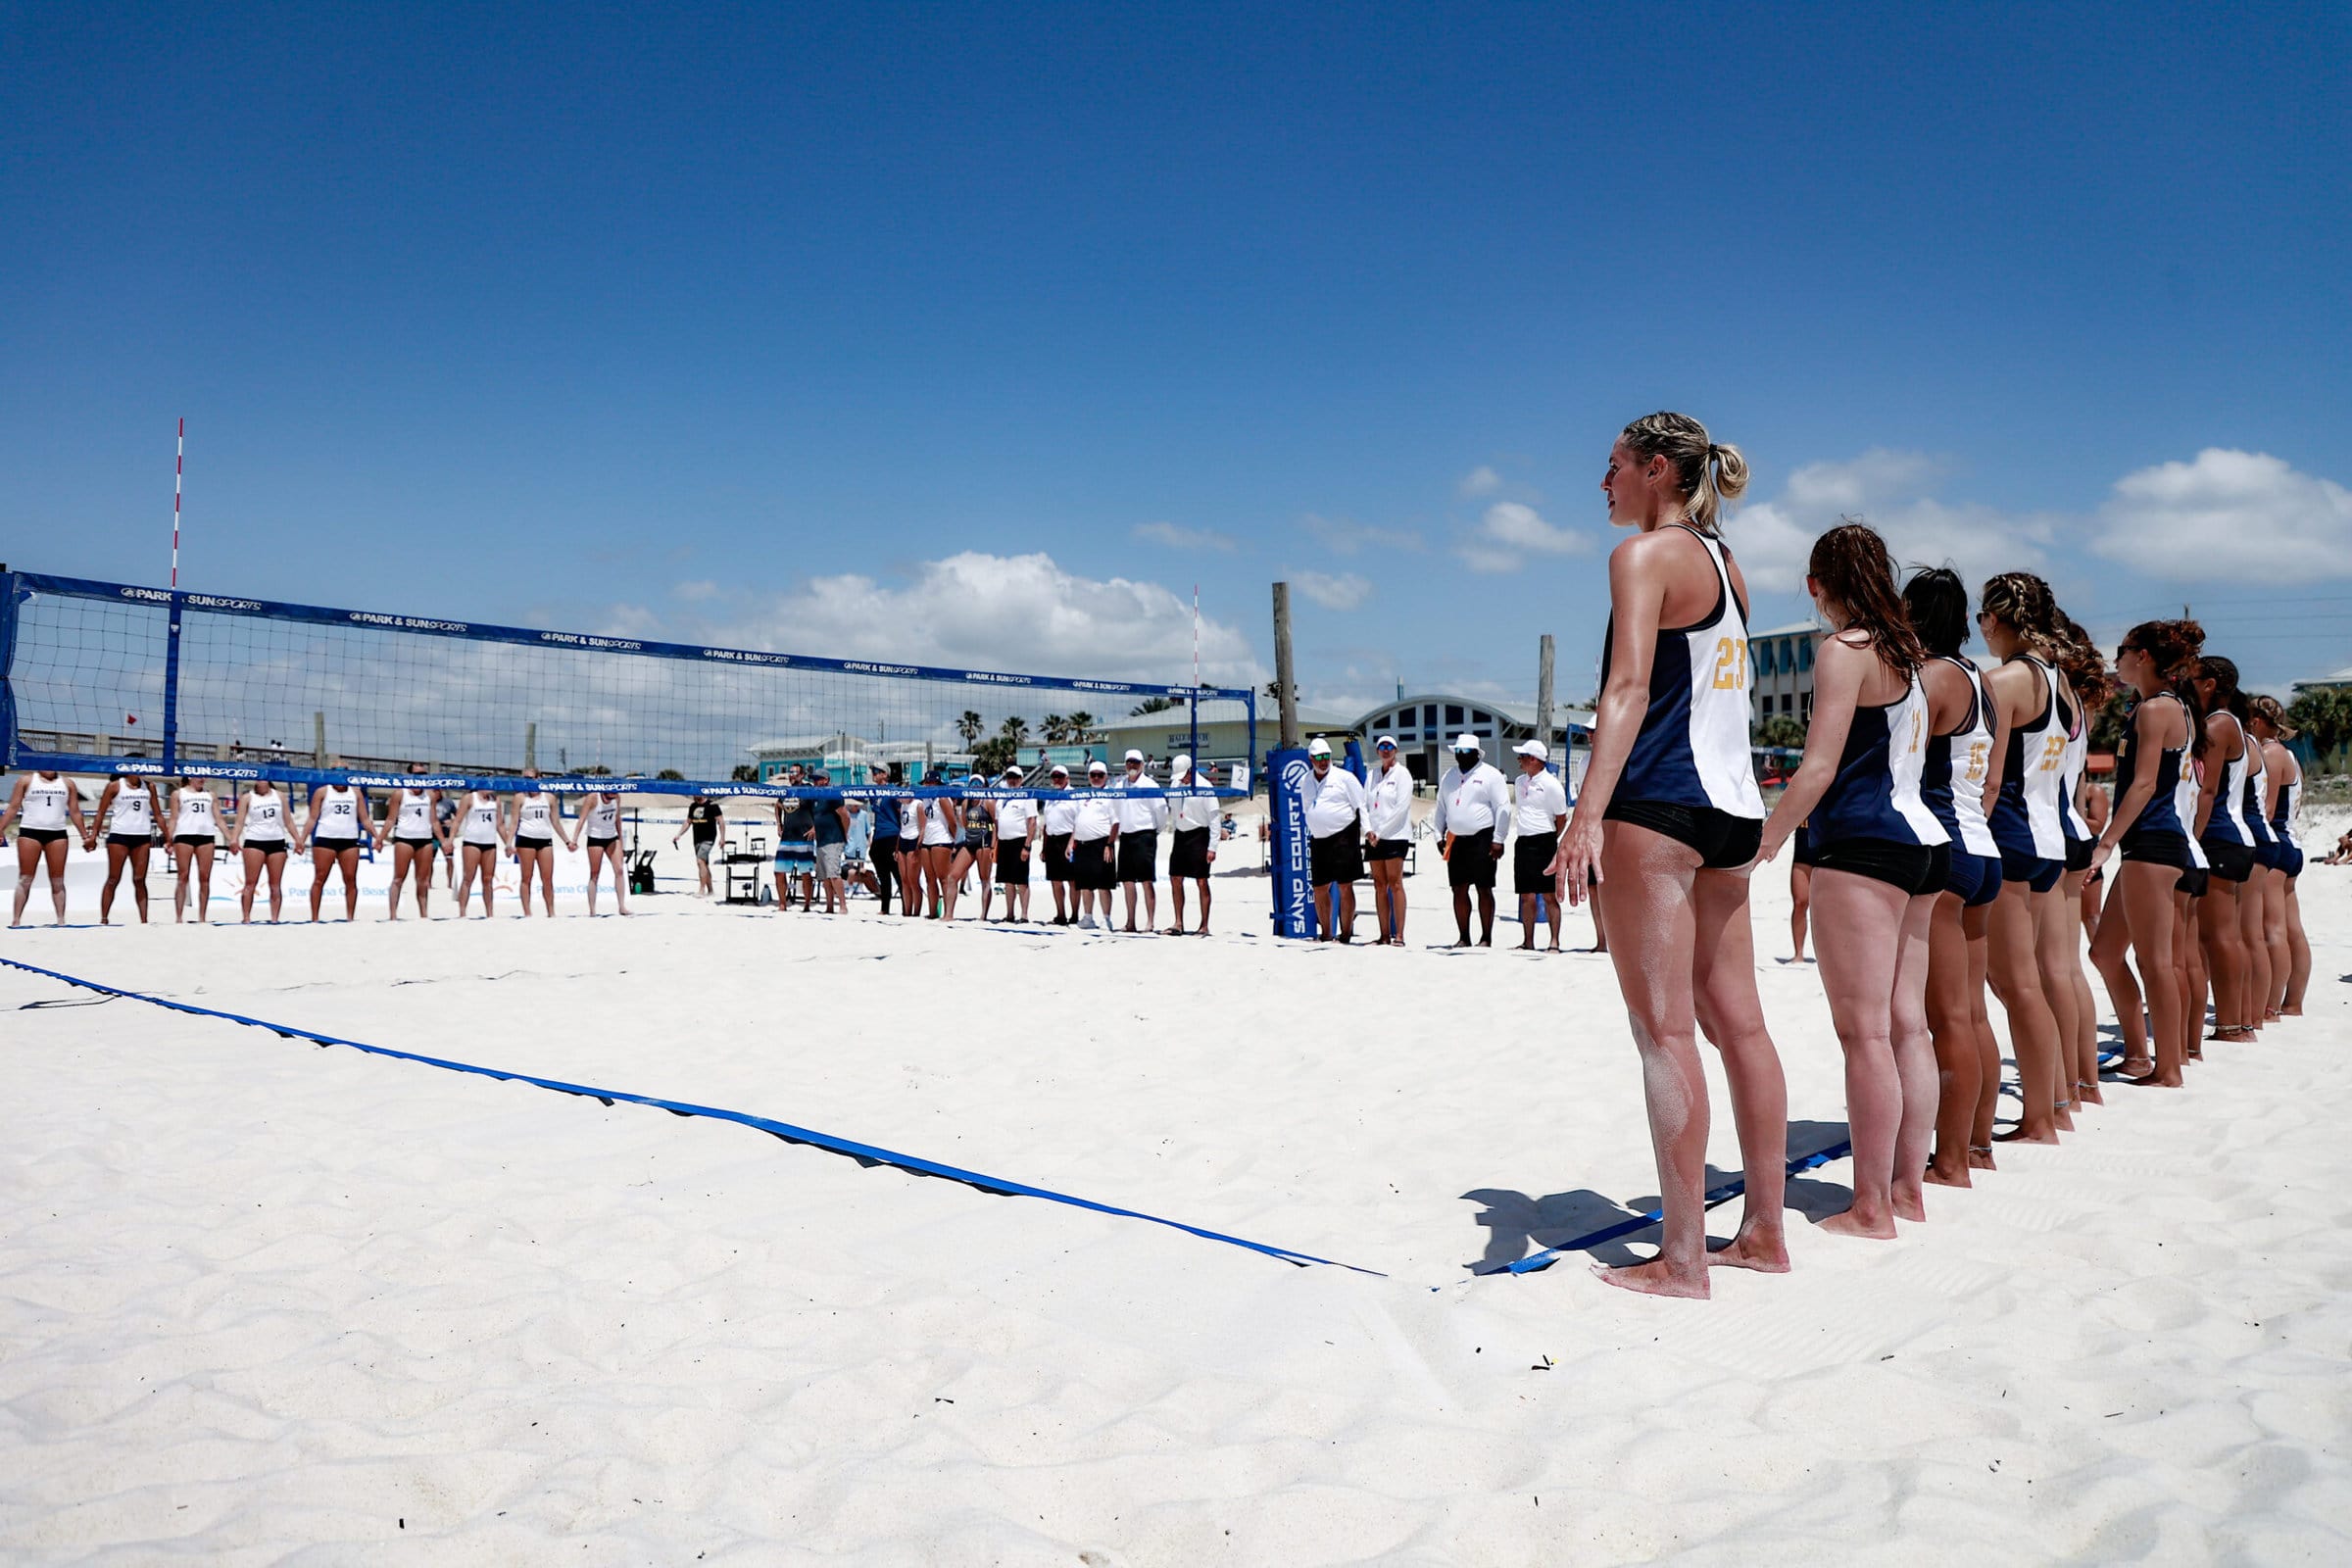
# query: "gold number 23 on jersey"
{"points": [[2053, 747], [1731, 664]]}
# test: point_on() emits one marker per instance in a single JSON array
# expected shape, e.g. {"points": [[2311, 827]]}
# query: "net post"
{"points": [[8, 650], [172, 684]]}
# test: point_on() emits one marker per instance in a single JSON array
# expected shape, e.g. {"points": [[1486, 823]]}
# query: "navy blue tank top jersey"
{"points": [[2025, 816], [1691, 749], [2159, 814], [1875, 792]]}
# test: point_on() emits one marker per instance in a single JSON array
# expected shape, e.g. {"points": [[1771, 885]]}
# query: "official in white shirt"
{"points": [[1473, 824], [1016, 833], [1140, 817], [1059, 819], [1538, 811], [1388, 837], [1336, 825], [1194, 850], [1094, 840]]}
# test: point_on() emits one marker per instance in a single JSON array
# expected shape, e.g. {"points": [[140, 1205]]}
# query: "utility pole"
{"points": [[1543, 697], [1285, 688]]}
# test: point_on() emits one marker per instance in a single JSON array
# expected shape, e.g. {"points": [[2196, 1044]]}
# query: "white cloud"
{"points": [[1511, 529], [1176, 537], [2241, 516], [694, 592], [1344, 537], [1481, 481], [1347, 591], [1008, 613], [1891, 492]]}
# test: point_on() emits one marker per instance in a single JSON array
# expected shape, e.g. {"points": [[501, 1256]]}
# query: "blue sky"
{"points": [[983, 334]]}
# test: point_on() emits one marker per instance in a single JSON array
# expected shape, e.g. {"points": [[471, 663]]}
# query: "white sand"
{"points": [[261, 1301]]}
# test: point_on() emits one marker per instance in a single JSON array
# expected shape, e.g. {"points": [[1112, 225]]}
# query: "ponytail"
{"points": [[1709, 473]]}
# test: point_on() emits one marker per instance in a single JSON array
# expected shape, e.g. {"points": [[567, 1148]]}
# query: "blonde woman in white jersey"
{"points": [[338, 822], [533, 830], [1669, 821], [131, 812], [600, 830], [412, 826], [44, 809], [195, 835], [481, 826], [266, 834]]}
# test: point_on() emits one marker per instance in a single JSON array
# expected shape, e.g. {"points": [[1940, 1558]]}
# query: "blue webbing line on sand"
{"points": [[1625, 1227], [865, 1153]]}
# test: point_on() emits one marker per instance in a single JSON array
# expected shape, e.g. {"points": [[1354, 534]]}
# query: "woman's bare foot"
{"points": [[1955, 1176], [2154, 1080], [1846, 1223], [1912, 1206], [2089, 1095], [2134, 1067], [1979, 1157], [2062, 1114], [1656, 1278], [2018, 1135], [1743, 1251]]}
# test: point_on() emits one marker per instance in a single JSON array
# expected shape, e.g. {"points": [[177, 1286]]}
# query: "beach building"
{"points": [[2340, 681], [1781, 671], [846, 756], [1426, 724], [1224, 731]]}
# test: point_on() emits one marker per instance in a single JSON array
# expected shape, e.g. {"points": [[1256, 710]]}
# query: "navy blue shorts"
{"points": [[1974, 879], [2031, 869]]}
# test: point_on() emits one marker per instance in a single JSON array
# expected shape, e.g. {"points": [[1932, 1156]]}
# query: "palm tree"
{"points": [[1152, 704], [1014, 731], [969, 727], [1057, 728], [1080, 724]]}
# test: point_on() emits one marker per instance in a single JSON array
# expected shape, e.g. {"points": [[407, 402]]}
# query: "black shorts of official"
{"points": [[2231, 861], [2195, 881], [1391, 850], [2032, 871], [1056, 851], [1911, 868], [1138, 855], [594, 842], [1090, 865], [197, 841], [1188, 854], [1335, 858], [1529, 857], [2078, 854], [43, 835], [1013, 863], [130, 841], [1724, 842], [1974, 879], [1472, 864], [2156, 849], [522, 842]]}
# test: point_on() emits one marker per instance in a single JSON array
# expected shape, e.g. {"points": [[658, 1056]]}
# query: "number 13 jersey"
{"points": [[1693, 747]]}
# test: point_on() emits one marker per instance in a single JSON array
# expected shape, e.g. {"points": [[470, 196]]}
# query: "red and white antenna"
{"points": [[179, 463], [1196, 642]]}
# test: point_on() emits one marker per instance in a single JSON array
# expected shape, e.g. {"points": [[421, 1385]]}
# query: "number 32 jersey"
{"points": [[1692, 747]]}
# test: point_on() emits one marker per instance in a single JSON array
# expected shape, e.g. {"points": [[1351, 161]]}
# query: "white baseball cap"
{"points": [[1386, 743], [1134, 755], [1059, 771], [1318, 747], [1468, 742], [1098, 765], [1013, 770], [1534, 749], [1182, 764]]}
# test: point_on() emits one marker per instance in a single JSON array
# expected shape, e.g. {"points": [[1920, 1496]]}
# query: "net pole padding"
{"points": [[172, 676], [8, 648]]}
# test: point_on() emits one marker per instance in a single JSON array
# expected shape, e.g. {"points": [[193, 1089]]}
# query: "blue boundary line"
{"points": [[865, 1153]]}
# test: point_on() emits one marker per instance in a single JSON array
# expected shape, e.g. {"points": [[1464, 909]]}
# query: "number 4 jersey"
{"points": [[1692, 747]]}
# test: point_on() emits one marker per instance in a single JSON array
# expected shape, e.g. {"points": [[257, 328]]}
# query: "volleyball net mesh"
{"points": [[212, 685]]}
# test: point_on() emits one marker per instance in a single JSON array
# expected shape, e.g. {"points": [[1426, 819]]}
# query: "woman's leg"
{"points": [[2049, 961], [945, 877], [277, 887], [1646, 878], [2224, 953], [2141, 906], [349, 862], [1977, 926], [2254, 993], [2273, 941], [986, 862], [1914, 1059], [2298, 954], [2110, 949], [254, 859], [1952, 1028], [321, 860], [547, 879], [116, 854], [203, 854], [2085, 1053], [2188, 960], [183, 856], [30, 856], [596, 871], [2032, 1031], [425, 880], [1727, 1010], [403, 858], [1858, 941], [1800, 900]]}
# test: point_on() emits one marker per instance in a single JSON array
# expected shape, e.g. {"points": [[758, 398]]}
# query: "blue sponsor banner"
{"points": [[1287, 774]]}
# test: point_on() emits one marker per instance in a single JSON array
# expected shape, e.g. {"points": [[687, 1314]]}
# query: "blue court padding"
{"points": [[865, 1153]]}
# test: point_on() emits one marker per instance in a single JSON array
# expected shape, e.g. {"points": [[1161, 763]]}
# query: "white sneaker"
{"points": [[1086, 923]]}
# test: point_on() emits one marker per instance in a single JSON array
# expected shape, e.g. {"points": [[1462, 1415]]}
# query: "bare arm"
{"points": [[1637, 579], [16, 803], [1838, 670], [2148, 734]]}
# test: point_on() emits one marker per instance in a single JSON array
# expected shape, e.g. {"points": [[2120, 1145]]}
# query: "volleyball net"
{"points": [[101, 677]]}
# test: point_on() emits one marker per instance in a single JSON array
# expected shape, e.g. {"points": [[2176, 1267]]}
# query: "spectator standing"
{"points": [[1194, 850], [1538, 811], [1473, 824], [1142, 815], [1389, 838], [1337, 822], [704, 819]]}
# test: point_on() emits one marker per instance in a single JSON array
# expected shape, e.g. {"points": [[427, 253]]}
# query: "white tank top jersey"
{"points": [[481, 821], [1693, 747], [265, 818], [910, 819], [532, 816], [1907, 744], [2184, 807], [934, 813], [45, 804], [414, 819], [2290, 802], [134, 810], [604, 817], [2071, 764], [194, 815], [2044, 776], [2257, 790], [1971, 761], [2228, 818], [338, 815]]}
